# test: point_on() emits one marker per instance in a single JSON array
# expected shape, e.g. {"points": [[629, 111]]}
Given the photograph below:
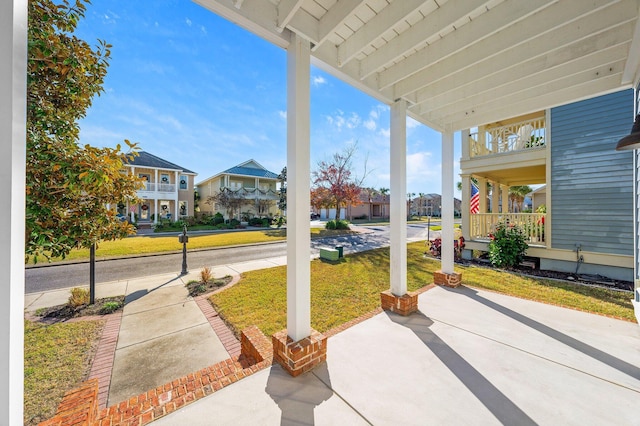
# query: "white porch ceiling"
{"points": [[460, 63]]}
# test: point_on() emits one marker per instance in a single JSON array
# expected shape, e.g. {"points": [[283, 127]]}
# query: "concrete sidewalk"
{"points": [[467, 357], [162, 333]]}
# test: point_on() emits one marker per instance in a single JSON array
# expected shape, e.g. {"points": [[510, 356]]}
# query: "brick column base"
{"points": [[255, 344], [448, 280], [79, 406], [403, 305], [301, 356]]}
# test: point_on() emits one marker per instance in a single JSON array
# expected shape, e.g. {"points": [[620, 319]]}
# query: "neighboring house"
{"points": [[250, 181], [588, 189], [373, 205], [168, 189]]}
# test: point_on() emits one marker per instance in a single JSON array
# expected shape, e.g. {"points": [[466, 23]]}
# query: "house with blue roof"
{"points": [[249, 182], [167, 192]]}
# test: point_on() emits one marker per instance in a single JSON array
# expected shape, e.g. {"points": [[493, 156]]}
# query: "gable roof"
{"points": [[145, 159], [249, 168]]}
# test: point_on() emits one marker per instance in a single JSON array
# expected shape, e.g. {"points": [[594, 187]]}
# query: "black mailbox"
{"points": [[183, 239]]}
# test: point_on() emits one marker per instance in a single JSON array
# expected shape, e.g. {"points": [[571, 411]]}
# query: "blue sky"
{"points": [[199, 91]]}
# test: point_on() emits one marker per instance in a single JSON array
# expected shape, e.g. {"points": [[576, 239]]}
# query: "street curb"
{"points": [[136, 256]]}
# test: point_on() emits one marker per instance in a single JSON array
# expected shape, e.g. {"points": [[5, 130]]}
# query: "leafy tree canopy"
{"points": [[71, 189], [335, 177]]}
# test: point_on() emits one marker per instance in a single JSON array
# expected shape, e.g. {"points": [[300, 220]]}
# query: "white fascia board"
{"points": [[256, 16]]}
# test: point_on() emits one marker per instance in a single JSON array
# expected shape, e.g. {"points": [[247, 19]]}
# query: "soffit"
{"points": [[460, 64]]}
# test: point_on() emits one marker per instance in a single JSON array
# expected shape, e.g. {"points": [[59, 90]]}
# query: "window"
{"points": [[183, 210], [164, 178], [184, 181]]}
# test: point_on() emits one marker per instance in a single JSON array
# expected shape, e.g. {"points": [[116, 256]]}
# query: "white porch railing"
{"points": [[160, 187], [482, 225], [528, 134]]}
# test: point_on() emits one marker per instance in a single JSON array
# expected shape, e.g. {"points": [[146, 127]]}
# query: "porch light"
{"points": [[633, 140]]}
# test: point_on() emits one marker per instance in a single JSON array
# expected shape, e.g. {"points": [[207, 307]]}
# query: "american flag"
{"points": [[475, 199]]}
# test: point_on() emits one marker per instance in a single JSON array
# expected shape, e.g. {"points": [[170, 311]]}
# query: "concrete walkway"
{"points": [[162, 333], [468, 357]]}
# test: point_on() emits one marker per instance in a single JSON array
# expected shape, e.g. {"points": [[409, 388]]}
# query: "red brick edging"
{"points": [[102, 365], [226, 336], [80, 405]]}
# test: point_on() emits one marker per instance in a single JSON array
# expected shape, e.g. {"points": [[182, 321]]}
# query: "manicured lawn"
{"points": [[344, 291], [56, 359], [158, 244]]}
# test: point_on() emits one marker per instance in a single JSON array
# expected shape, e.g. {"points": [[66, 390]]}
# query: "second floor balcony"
{"points": [[519, 136], [159, 187]]}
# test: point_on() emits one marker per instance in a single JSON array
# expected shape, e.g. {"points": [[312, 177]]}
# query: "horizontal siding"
{"points": [[591, 183]]}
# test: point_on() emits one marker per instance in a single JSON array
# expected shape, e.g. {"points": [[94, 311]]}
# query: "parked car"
{"points": [[314, 216]]}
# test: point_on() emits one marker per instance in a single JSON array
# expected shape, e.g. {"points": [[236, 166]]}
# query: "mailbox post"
{"points": [[184, 239]]}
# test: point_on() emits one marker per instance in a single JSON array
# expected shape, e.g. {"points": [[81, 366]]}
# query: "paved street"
{"points": [[53, 276]]}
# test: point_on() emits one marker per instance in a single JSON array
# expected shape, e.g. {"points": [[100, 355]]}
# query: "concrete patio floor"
{"points": [[467, 357]]}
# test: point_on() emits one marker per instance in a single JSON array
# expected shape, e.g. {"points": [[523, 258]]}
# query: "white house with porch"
{"points": [[451, 65], [168, 191]]}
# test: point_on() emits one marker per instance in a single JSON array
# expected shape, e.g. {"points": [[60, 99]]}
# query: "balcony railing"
{"points": [[160, 187], [528, 134], [482, 225]]}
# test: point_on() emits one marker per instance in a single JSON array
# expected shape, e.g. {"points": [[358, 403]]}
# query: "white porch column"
{"points": [[447, 203], [505, 198], [466, 206], [13, 75], [398, 208], [482, 189], [298, 187], [495, 197], [155, 198], [175, 196]]}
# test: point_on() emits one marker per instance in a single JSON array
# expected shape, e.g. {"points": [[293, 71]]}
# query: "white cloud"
{"points": [[283, 114], [188, 21], [203, 29], [385, 132], [339, 120], [318, 80], [370, 124], [421, 169]]}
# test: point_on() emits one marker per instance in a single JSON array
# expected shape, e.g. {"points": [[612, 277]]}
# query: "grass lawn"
{"points": [[156, 244], [344, 291], [56, 359]]}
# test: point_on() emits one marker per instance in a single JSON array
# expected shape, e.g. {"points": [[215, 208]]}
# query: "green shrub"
{"points": [[218, 218], [508, 246], [234, 223], [255, 221], [331, 224], [110, 307]]}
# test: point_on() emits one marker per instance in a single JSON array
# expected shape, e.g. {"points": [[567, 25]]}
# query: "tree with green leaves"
{"points": [[71, 190]]}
